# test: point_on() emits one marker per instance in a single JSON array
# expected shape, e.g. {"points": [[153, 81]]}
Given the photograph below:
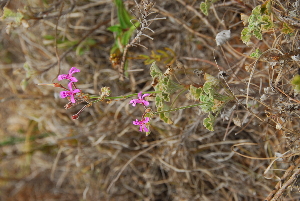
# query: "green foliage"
{"points": [[256, 54], [205, 6], [166, 56], [123, 15], [124, 30], [85, 46], [12, 16], [209, 122], [286, 29], [260, 20], [64, 43], [212, 101], [11, 140], [296, 83], [29, 73], [164, 88]]}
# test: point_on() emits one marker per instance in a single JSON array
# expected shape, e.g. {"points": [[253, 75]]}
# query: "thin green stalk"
{"points": [[124, 96], [177, 97], [179, 108]]}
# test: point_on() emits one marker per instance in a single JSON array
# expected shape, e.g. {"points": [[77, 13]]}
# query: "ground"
{"points": [[229, 129]]}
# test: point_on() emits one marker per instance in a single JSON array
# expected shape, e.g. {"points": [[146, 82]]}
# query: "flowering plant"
{"points": [[143, 124], [70, 92], [70, 75], [140, 100]]}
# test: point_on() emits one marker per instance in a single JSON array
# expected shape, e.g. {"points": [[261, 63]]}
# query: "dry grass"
{"points": [[45, 155]]}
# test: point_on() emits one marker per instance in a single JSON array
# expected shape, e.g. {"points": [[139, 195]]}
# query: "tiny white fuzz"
{"points": [[222, 37]]}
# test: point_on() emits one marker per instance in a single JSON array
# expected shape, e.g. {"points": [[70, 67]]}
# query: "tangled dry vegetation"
{"points": [[252, 154]]}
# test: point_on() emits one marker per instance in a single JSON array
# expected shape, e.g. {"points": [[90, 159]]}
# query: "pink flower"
{"points": [[140, 100], [64, 94], [142, 124], [69, 76]]}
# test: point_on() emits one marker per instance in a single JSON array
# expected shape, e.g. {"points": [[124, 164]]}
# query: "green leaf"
{"points": [[260, 20], [123, 15], [296, 83], [257, 34], [24, 84], [287, 29], [155, 71], [207, 107], [246, 35], [209, 122], [149, 61], [209, 78], [204, 7], [195, 92], [115, 28], [206, 99], [268, 24], [90, 42], [11, 15], [256, 11], [256, 54], [126, 35], [165, 116], [29, 70], [49, 37], [208, 88], [162, 106], [266, 7]]}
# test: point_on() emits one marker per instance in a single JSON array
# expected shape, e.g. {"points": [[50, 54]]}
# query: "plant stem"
{"points": [[179, 108], [124, 96]]}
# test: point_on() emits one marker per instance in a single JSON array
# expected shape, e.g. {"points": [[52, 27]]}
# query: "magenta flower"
{"points": [[64, 94], [140, 100], [142, 124], [69, 76]]}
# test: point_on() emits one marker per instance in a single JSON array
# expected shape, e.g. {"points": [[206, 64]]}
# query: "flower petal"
{"points": [[146, 103], [140, 95], [73, 79], [136, 122], [146, 120], [64, 94], [70, 86], [76, 91], [72, 98], [145, 95], [133, 102], [73, 70], [62, 76], [145, 128]]}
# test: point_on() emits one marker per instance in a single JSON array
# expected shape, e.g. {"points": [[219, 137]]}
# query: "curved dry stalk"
{"points": [[168, 14], [286, 180], [200, 15], [133, 158]]}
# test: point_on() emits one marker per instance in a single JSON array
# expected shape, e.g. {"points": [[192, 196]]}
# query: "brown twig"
{"points": [[289, 177], [134, 157]]}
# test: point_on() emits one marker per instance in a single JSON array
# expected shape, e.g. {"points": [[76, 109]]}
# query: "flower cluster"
{"points": [[144, 123], [74, 95], [140, 100], [70, 92]]}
